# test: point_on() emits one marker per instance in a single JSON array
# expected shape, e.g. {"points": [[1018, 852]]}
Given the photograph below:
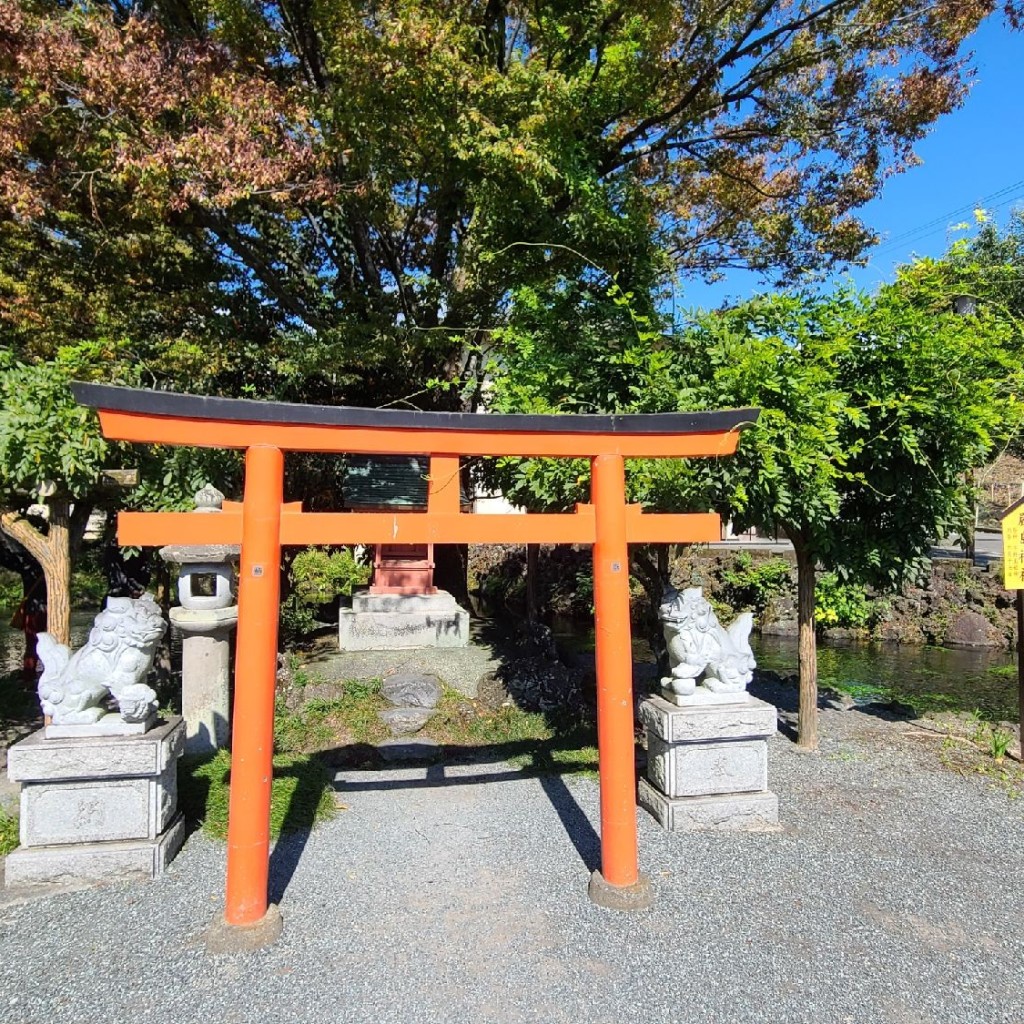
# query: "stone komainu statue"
{"points": [[115, 659], [698, 644]]}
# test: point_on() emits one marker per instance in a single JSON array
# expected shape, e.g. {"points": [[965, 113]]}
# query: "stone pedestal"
{"points": [[205, 676], [385, 622], [707, 765], [96, 808]]}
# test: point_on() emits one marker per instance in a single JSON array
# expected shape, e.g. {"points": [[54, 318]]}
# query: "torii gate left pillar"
{"points": [[262, 523]]}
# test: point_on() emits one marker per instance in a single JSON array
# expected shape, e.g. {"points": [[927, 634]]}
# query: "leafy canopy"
{"points": [[872, 410], [351, 185]]}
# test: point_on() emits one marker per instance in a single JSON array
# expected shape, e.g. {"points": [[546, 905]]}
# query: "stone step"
{"points": [[735, 812]]}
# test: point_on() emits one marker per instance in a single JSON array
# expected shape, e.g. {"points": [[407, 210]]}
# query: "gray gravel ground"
{"points": [[893, 893]]}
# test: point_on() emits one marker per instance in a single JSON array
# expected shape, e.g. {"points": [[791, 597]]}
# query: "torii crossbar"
{"points": [[262, 523]]}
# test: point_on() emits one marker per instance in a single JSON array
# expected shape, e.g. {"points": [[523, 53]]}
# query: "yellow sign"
{"points": [[1013, 546]]}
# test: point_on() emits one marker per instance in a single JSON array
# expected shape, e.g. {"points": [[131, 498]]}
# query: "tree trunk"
{"points": [[57, 568], [807, 729], [664, 564], [532, 557], [53, 553], [969, 537]]}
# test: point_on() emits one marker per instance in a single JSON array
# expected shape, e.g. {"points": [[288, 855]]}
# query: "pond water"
{"points": [[960, 679], [932, 678]]}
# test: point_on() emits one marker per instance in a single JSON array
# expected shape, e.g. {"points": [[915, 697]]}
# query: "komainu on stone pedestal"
{"points": [[698, 646], [114, 661]]}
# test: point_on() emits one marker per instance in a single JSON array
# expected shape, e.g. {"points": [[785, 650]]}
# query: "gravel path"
{"points": [[893, 893]]}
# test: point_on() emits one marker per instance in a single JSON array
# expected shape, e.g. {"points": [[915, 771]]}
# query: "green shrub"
{"points": [[841, 604], [318, 576], [754, 585], [10, 590]]}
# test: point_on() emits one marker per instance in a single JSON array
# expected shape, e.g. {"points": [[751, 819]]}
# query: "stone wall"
{"points": [[953, 605]]}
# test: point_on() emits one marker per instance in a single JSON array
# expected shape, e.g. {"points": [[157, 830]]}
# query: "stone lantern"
{"points": [[206, 616]]}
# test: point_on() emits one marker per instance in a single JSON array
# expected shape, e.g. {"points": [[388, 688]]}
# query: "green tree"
{"points": [[872, 410], [327, 201], [51, 453], [356, 180]]}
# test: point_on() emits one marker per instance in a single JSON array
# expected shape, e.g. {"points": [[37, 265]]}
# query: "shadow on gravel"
{"points": [[296, 827], [575, 822]]}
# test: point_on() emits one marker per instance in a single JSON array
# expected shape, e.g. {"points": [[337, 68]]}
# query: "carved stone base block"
{"points": [[96, 808], [734, 812], [94, 862], [707, 765], [385, 622]]}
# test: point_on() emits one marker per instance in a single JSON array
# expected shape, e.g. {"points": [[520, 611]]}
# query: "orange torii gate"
{"points": [[262, 523]]}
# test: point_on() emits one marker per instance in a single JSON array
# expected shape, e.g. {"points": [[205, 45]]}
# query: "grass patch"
{"points": [[529, 740], [350, 717], [348, 725], [8, 833], [1003, 671], [301, 793]]}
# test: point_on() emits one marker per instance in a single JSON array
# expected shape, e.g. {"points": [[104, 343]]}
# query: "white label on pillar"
{"points": [[257, 570], [616, 567]]}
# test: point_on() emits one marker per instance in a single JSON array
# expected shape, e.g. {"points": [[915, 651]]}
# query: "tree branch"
{"points": [[35, 543]]}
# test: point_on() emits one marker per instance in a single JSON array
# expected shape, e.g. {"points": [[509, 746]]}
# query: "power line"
{"points": [[939, 223]]}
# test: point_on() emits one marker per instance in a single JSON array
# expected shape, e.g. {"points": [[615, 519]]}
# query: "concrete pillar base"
{"points": [[223, 938], [637, 896]]}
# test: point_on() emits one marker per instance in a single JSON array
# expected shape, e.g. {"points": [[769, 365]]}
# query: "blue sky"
{"points": [[970, 155]]}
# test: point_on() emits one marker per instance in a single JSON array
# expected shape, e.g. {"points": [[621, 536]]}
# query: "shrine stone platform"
{"points": [[96, 808], [387, 622], [707, 765]]}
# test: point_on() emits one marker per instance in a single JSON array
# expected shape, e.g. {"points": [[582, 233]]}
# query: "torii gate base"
{"points": [[262, 523]]}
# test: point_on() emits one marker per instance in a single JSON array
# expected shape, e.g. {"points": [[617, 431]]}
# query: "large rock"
{"points": [[971, 629], [412, 690], [404, 721]]}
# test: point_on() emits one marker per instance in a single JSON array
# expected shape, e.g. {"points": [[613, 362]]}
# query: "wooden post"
{"points": [[1020, 672], [252, 744], [618, 883]]}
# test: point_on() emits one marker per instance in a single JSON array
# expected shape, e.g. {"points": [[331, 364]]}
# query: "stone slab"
{"points": [[37, 758], [440, 602], [736, 812], [421, 748], [371, 631], [94, 862], [405, 721], [109, 725], [412, 690], [701, 769], [753, 719], [97, 810], [702, 697]]}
